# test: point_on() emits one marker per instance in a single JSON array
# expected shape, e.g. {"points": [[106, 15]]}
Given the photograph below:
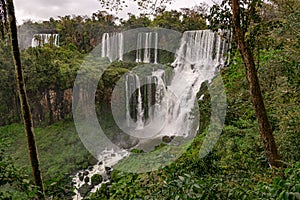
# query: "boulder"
{"points": [[81, 177], [85, 173], [87, 179], [167, 139]]}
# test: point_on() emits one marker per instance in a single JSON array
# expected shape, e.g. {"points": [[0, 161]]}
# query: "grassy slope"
{"points": [[60, 150]]}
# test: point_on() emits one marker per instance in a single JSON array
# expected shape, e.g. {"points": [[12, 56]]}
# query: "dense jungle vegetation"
{"points": [[237, 168]]}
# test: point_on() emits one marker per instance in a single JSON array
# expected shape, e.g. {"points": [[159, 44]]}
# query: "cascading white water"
{"points": [[151, 102], [139, 48], [130, 87], [140, 112], [41, 39], [160, 90], [134, 100], [147, 49], [113, 46], [156, 49], [105, 45], [144, 43], [202, 48], [197, 60]]}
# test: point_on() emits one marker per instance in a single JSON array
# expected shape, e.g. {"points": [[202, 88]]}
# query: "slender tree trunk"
{"points": [[48, 96], [24, 100], [255, 91]]}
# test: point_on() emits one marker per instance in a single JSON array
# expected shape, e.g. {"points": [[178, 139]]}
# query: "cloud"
{"points": [[37, 10], [44, 9]]}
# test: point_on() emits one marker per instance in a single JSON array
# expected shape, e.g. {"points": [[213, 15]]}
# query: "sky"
{"points": [[39, 10]]}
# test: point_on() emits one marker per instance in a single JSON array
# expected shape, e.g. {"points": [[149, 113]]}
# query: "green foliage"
{"points": [[8, 93], [13, 183], [47, 70], [61, 154], [288, 188], [96, 179], [50, 72], [136, 22], [186, 19]]}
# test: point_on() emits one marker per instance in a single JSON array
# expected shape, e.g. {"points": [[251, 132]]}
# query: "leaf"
{"points": [[187, 175], [181, 178]]}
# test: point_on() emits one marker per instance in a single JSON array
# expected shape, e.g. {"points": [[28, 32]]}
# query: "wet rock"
{"points": [[87, 179], [203, 89], [85, 173], [107, 169], [167, 139], [81, 177], [105, 177]]}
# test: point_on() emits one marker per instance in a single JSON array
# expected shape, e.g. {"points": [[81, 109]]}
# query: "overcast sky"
{"points": [[44, 9]]}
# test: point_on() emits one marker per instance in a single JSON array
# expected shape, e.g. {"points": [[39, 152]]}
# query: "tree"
{"points": [[136, 21], [8, 5], [253, 81], [245, 22], [194, 19], [146, 5]]}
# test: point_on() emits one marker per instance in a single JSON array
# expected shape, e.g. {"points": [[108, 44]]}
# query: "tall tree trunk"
{"points": [[255, 91], [24, 100], [48, 97]]}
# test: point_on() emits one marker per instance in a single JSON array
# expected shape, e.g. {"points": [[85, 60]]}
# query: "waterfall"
{"points": [[113, 46], [148, 37], [41, 39], [202, 48], [156, 49], [134, 103], [140, 112], [142, 108], [145, 50], [139, 48], [199, 57], [148, 98]]}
